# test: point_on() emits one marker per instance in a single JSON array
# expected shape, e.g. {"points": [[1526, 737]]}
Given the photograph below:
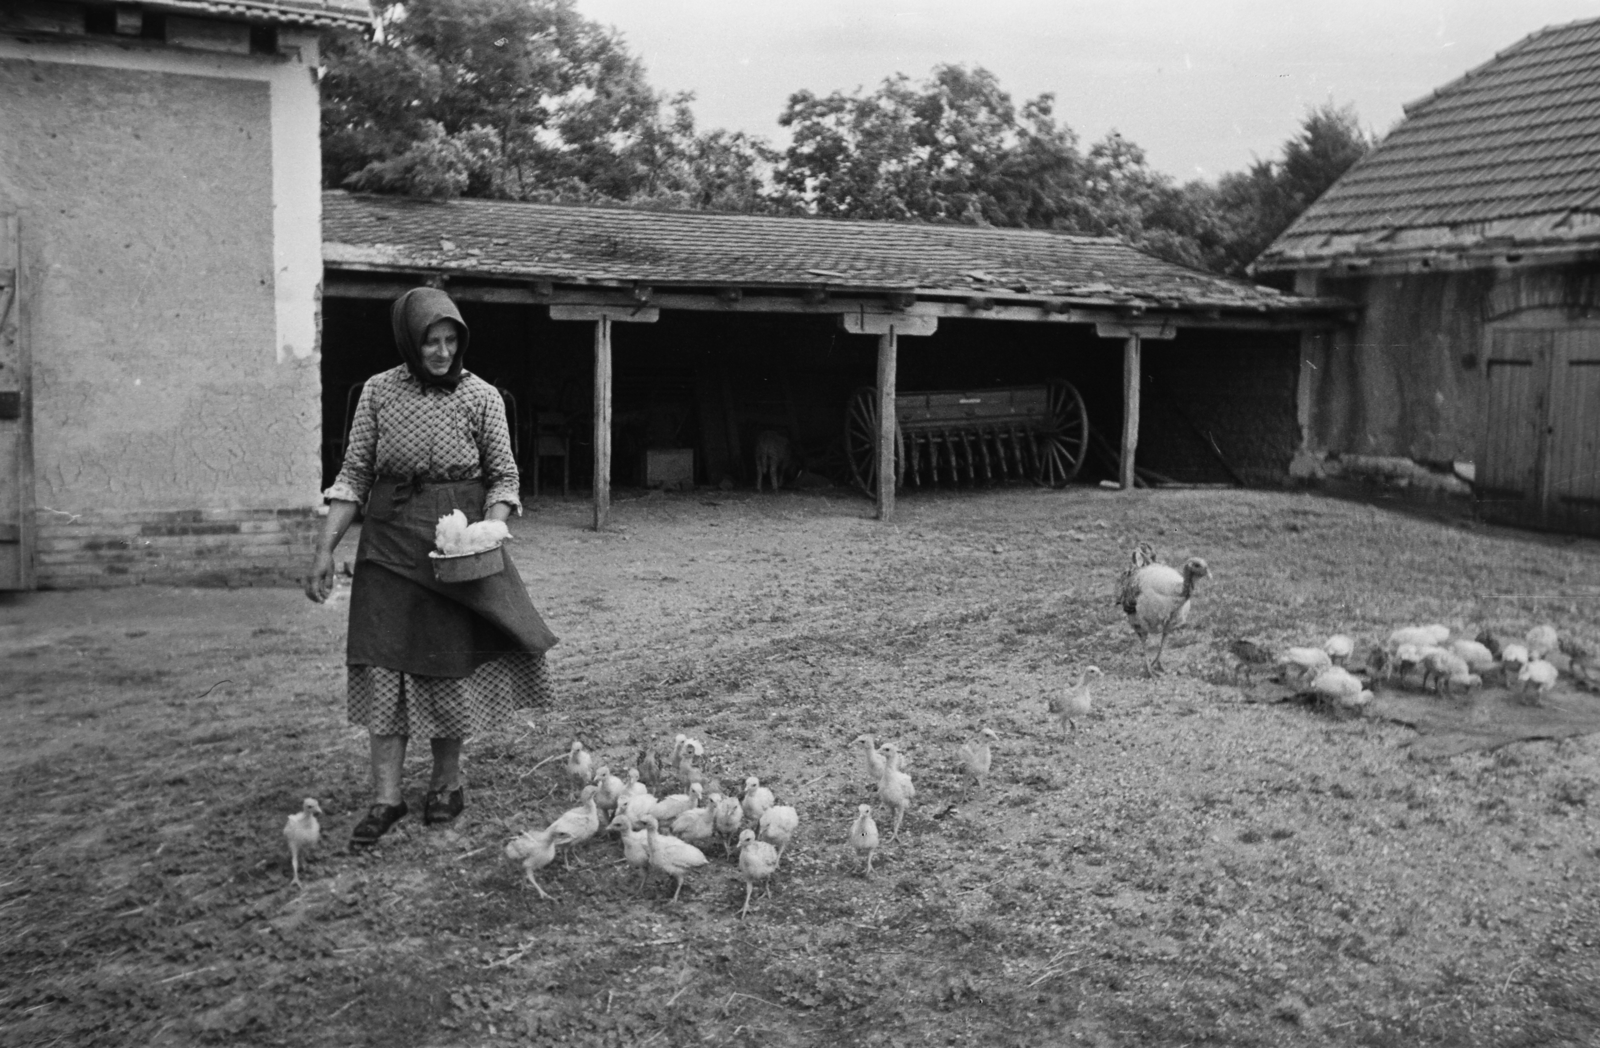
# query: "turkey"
{"points": [[1156, 600]]}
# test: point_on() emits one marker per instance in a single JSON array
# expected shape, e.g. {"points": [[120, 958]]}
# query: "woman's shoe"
{"points": [[443, 805], [377, 822]]}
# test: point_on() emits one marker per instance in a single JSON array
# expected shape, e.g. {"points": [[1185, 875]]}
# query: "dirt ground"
{"points": [[1193, 868]]}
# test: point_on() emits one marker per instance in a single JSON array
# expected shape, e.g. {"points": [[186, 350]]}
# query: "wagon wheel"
{"points": [[1064, 437], [861, 442]]}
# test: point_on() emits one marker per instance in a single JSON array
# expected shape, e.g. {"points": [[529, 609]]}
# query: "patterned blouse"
{"points": [[405, 429]]}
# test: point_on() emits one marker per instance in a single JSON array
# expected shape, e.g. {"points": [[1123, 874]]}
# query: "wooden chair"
{"points": [[551, 439]]}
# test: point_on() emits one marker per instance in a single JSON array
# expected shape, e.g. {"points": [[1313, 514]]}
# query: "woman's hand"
{"points": [[341, 515], [500, 511], [320, 582]]}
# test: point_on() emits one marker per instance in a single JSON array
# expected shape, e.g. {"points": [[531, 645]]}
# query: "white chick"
{"points": [[1304, 662], [757, 799], [1354, 703], [535, 849], [1077, 702], [1540, 674], [697, 825], [758, 861], [635, 806], [302, 831], [580, 765], [728, 814], [874, 758], [1515, 655], [1406, 658], [688, 773], [485, 534], [1335, 684], [1421, 636], [1542, 640], [670, 855], [674, 805], [777, 826], [895, 787], [635, 846], [1440, 664], [633, 787], [449, 535], [579, 824], [1339, 648], [1478, 657], [976, 758], [609, 788], [864, 835]]}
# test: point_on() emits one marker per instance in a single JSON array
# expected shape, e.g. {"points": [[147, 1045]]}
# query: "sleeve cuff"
{"points": [[342, 493]]}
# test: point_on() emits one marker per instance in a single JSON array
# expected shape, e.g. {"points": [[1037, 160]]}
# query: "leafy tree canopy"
{"points": [[524, 99]]}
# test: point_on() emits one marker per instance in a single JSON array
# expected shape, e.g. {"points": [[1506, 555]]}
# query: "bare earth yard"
{"points": [[1194, 869]]}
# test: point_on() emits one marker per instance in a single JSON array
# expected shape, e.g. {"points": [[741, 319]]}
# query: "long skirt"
{"points": [[428, 658]]}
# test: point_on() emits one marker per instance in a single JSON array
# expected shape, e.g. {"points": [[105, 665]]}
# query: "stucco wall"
{"points": [[1408, 379], [171, 253]]}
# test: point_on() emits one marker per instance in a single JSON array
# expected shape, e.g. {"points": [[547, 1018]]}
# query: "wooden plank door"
{"points": [[1508, 465], [1572, 433], [16, 444]]}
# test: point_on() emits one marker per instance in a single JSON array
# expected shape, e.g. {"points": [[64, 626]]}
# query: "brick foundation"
{"points": [[239, 547]]}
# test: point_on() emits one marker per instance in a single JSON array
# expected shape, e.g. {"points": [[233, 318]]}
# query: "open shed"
{"points": [[1470, 238], [618, 332]]}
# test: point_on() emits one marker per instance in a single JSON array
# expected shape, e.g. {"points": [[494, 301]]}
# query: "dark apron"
{"points": [[402, 618]]}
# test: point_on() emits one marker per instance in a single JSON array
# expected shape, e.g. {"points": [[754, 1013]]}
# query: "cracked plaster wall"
{"points": [[172, 307]]}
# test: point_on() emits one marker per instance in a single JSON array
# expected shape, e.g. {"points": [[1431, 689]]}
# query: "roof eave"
{"points": [[976, 300]]}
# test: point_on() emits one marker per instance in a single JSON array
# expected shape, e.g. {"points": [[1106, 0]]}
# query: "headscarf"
{"points": [[412, 314]]}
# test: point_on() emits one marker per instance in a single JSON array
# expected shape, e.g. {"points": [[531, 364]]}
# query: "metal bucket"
{"points": [[468, 566]]}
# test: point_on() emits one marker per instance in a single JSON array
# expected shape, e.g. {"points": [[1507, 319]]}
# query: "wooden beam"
{"points": [[862, 322], [1130, 409], [888, 349], [610, 314], [602, 422], [1163, 329], [1151, 325]]}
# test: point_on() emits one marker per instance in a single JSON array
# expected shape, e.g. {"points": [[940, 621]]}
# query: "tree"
{"points": [[515, 98], [1257, 205], [951, 149]]}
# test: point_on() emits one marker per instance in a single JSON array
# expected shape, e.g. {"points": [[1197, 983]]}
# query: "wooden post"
{"points": [[602, 421], [603, 317], [1130, 408], [888, 350], [889, 327]]}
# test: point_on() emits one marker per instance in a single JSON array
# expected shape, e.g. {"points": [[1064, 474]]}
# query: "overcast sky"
{"points": [[1203, 85]]}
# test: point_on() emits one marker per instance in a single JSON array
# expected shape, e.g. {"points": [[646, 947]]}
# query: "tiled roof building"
{"points": [[1470, 238]]}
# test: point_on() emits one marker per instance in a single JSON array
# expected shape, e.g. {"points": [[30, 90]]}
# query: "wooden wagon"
{"points": [[972, 436]]}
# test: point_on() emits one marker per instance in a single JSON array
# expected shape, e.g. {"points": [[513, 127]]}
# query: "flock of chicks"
{"points": [[698, 816], [1528, 668], [753, 824]]}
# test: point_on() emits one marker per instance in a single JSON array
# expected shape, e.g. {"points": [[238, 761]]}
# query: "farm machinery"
{"points": [[970, 436]]}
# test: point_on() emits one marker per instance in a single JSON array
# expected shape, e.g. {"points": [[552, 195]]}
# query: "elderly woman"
{"points": [[441, 660]]}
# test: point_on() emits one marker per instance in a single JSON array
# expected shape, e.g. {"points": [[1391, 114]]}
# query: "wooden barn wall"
{"points": [[1408, 380], [712, 382]]}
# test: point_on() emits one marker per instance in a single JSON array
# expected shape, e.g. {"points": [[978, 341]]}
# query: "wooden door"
{"points": [[1572, 433], [1508, 467], [16, 446]]}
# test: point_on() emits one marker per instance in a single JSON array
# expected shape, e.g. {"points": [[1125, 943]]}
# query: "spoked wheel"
{"points": [[1061, 443], [861, 442]]}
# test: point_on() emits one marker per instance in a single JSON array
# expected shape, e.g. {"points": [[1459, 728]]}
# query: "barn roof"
{"points": [[1507, 157], [316, 13], [620, 247]]}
